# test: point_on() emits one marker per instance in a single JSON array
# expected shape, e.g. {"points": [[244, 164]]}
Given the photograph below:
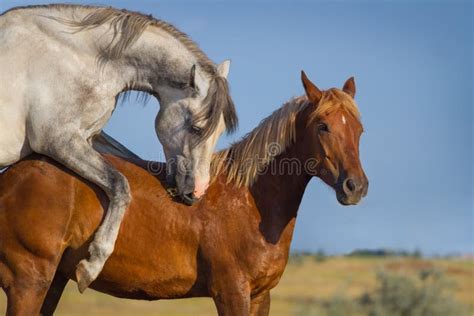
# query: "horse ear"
{"points": [[192, 77], [223, 68], [313, 93], [350, 87]]}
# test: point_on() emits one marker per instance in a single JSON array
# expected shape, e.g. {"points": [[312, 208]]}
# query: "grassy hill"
{"points": [[312, 285]]}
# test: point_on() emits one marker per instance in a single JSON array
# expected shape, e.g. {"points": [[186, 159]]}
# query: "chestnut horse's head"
{"points": [[332, 132]]}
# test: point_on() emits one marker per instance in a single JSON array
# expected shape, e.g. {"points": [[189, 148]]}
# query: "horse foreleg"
{"points": [[230, 297], [260, 305], [234, 304], [78, 155], [54, 294]]}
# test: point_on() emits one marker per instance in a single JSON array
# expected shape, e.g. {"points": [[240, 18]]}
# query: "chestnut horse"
{"points": [[232, 245]]}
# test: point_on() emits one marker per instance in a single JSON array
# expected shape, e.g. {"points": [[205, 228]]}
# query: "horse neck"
{"points": [[150, 64], [156, 62], [278, 193]]}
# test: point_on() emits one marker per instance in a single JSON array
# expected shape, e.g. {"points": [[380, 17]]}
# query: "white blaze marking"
{"points": [[343, 119]]}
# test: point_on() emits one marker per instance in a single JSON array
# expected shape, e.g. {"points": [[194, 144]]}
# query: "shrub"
{"points": [[340, 305], [427, 295], [296, 258], [319, 256], [385, 253]]}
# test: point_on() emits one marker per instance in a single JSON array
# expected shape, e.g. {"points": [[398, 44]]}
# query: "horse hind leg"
{"points": [[80, 157], [54, 294], [25, 299], [6, 276], [29, 285]]}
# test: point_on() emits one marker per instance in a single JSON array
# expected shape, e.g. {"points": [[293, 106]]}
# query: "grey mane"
{"points": [[127, 27], [217, 102]]}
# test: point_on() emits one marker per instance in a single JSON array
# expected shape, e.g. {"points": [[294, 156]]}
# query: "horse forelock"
{"points": [[332, 100], [217, 103], [243, 160]]}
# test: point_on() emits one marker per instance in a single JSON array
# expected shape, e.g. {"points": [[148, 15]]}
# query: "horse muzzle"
{"points": [[185, 189], [189, 198], [351, 190]]}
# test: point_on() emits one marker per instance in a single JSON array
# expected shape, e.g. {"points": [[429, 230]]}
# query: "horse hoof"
{"points": [[83, 277]]}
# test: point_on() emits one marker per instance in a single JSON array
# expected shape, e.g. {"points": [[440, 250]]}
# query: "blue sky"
{"points": [[413, 67]]}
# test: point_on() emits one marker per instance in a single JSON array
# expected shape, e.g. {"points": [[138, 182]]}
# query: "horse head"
{"points": [[190, 121], [332, 132]]}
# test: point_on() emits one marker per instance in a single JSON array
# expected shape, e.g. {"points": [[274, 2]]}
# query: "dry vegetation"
{"points": [[308, 287]]}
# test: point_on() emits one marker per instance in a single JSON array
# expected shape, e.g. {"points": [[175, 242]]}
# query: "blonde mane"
{"points": [[243, 160], [127, 27]]}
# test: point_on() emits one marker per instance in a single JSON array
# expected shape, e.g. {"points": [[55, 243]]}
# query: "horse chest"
{"points": [[267, 270], [270, 257]]}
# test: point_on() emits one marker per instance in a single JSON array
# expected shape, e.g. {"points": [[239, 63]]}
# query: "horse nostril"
{"points": [[349, 186], [188, 198]]}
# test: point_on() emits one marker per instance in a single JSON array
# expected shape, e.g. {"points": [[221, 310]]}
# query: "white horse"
{"points": [[62, 68]]}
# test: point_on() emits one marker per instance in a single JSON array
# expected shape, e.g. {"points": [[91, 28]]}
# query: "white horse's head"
{"points": [[189, 123]]}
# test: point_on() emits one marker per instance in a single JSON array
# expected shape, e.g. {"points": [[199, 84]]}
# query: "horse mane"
{"points": [[127, 27], [217, 102], [243, 160]]}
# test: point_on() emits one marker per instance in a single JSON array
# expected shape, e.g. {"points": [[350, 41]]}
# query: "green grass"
{"points": [[308, 287]]}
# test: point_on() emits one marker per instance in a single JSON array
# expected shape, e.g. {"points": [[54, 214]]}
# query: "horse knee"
{"points": [[119, 191], [124, 191]]}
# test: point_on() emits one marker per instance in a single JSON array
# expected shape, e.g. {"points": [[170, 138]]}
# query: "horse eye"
{"points": [[196, 130], [323, 127]]}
